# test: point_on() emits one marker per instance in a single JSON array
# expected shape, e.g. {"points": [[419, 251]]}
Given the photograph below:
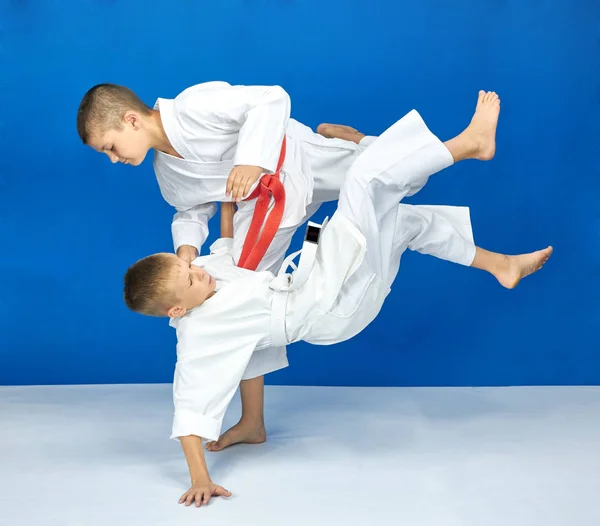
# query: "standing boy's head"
{"points": [[114, 120]]}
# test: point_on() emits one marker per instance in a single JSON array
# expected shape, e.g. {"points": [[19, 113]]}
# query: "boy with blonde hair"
{"points": [[223, 313]]}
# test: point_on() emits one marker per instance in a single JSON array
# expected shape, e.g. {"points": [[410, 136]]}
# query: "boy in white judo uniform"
{"points": [[213, 143], [223, 313]]}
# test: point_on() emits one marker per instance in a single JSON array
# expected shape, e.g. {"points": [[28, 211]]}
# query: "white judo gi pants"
{"points": [[381, 178]]}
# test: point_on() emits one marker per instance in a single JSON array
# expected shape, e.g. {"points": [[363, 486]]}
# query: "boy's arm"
{"points": [[259, 114], [211, 362], [264, 124], [260, 138], [190, 230], [227, 213], [202, 487]]}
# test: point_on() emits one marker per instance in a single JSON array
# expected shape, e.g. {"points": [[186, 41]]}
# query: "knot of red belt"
{"points": [[257, 242]]}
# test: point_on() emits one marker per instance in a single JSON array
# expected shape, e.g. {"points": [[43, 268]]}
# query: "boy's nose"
{"points": [[199, 271]]}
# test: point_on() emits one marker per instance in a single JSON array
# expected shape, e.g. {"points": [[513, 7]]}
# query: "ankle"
{"points": [[501, 264], [462, 147], [253, 420]]}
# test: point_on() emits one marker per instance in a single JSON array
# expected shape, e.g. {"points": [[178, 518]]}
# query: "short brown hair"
{"points": [[102, 109], [146, 285]]}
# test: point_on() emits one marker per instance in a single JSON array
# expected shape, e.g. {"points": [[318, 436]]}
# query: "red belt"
{"points": [[257, 242]]}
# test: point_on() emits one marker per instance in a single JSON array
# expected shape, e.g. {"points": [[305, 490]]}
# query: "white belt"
{"points": [[285, 283]]}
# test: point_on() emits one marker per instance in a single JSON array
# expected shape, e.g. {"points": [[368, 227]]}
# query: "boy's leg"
{"points": [[327, 158], [332, 150], [380, 178], [340, 131], [458, 147], [440, 234], [399, 164], [251, 427], [445, 232]]}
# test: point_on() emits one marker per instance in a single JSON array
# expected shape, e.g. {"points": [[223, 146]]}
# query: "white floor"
{"points": [[100, 456]]}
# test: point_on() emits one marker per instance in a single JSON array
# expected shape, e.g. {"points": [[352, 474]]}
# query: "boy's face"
{"points": [[129, 145], [191, 286]]}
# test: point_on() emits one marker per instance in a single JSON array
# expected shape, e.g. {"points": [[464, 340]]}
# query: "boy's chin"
{"points": [[137, 161]]}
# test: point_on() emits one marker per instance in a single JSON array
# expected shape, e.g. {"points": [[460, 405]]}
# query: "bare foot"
{"points": [[241, 433], [518, 267], [339, 131], [482, 129]]}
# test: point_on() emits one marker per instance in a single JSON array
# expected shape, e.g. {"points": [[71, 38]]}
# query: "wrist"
{"points": [[187, 249], [202, 480], [256, 169]]}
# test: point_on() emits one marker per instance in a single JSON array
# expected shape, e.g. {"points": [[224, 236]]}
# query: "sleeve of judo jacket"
{"points": [[259, 114], [190, 227], [210, 366]]}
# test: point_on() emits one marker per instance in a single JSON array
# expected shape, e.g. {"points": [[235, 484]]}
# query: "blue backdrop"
{"points": [[71, 222]]}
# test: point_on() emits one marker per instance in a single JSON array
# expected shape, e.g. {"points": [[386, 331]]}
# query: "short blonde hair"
{"points": [[148, 285], [103, 107]]}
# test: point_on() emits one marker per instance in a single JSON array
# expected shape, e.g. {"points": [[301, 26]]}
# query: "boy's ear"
{"points": [[176, 312], [131, 118]]}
